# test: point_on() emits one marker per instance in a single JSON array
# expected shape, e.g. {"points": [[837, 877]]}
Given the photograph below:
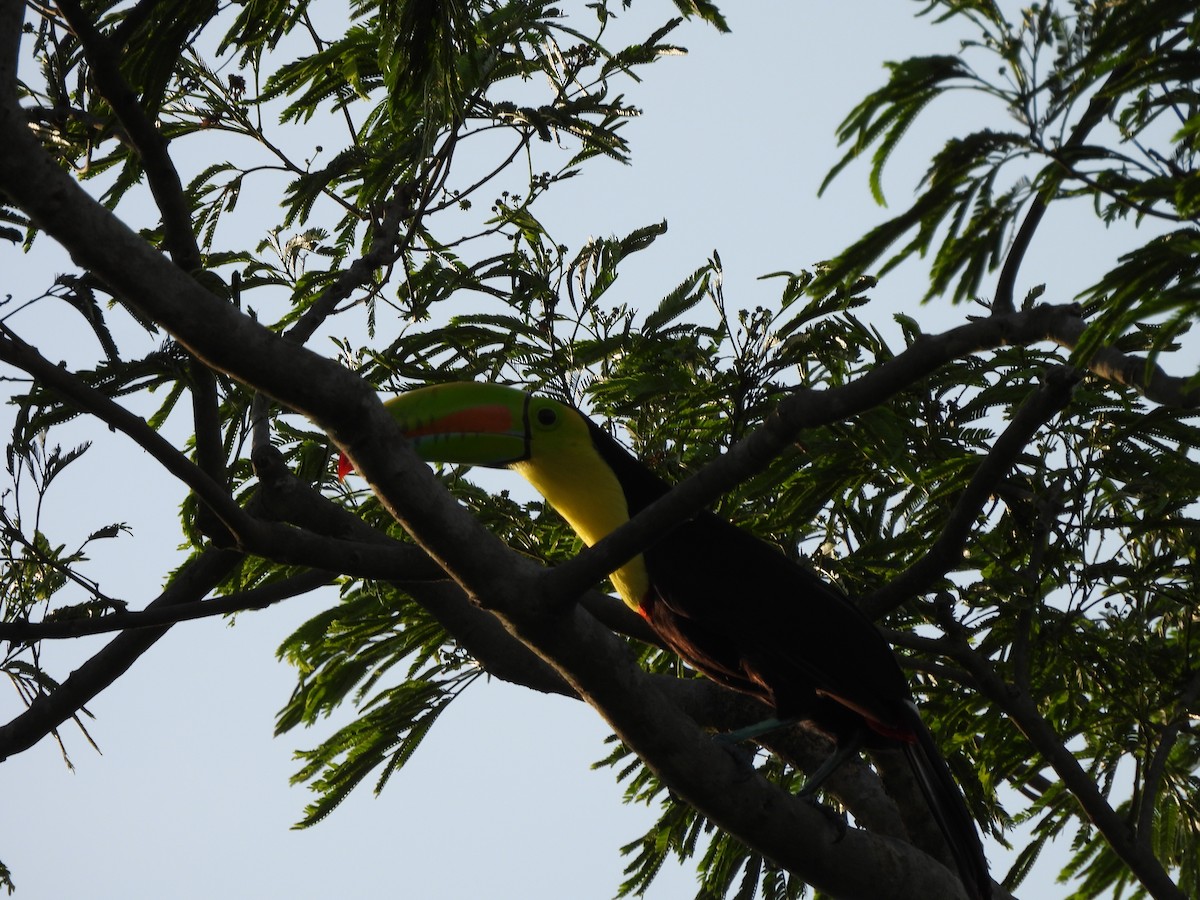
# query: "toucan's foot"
{"points": [[835, 818], [743, 756], [845, 749], [758, 729]]}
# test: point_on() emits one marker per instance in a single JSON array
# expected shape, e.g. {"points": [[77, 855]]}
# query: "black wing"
{"points": [[745, 615]]}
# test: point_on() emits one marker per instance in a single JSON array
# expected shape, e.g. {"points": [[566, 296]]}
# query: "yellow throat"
{"points": [[573, 478]]}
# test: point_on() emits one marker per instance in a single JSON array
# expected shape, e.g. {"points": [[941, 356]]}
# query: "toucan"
{"points": [[731, 605]]}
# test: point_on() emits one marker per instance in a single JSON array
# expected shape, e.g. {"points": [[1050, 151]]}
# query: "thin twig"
{"points": [[1156, 766], [48, 711], [156, 617], [83, 396]]}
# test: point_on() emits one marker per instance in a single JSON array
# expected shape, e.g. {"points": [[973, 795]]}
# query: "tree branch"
{"points": [[161, 173], [131, 22], [386, 247], [155, 617], [801, 410], [49, 711], [398, 562], [1128, 369], [1100, 106], [1037, 409], [807, 409], [179, 237], [1156, 766], [1023, 712], [477, 631], [86, 398], [715, 779]]}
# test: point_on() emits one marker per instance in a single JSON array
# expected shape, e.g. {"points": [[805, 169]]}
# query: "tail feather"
{"points": [[950, 811]]}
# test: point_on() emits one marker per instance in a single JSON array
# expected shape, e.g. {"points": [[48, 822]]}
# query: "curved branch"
{"points": [[483, 636], [800, 410], [386, 247], [392, 561], [1128, 369], [807, 409], [845, 862], [1156, 766], [62, 114], [1039, 407], [477, 631], [1020, 707], [1100, 106]]}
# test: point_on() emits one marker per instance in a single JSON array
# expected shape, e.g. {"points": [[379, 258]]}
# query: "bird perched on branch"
{"points": [[731, 605]]}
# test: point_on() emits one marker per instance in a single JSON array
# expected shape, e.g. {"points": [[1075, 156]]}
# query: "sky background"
{"points": [[190, 798]]}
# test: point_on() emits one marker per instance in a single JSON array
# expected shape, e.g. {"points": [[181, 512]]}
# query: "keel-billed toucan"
{"points": [[731, 605]]}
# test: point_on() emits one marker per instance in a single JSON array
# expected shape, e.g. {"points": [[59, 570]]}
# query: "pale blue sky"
{"points": [[191, 798]]}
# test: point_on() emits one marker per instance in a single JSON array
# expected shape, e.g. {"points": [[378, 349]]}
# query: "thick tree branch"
{"points": [[161, 173], [1128, 369], [808, 409], [803, 409], [398, 562], [477, 631], [715, 779], [483, 636], [859, 788]]}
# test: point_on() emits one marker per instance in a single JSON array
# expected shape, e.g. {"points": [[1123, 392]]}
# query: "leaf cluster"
{"points": [[341, 656], [1102, 102]]}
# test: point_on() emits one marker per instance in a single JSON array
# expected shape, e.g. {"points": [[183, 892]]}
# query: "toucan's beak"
{"points": [[462, 422]]}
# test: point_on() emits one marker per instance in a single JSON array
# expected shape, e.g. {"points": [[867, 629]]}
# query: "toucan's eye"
{"points": [[546, 417]]}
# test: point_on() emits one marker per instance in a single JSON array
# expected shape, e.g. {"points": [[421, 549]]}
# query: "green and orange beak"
{"points": [[462, 422]]}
